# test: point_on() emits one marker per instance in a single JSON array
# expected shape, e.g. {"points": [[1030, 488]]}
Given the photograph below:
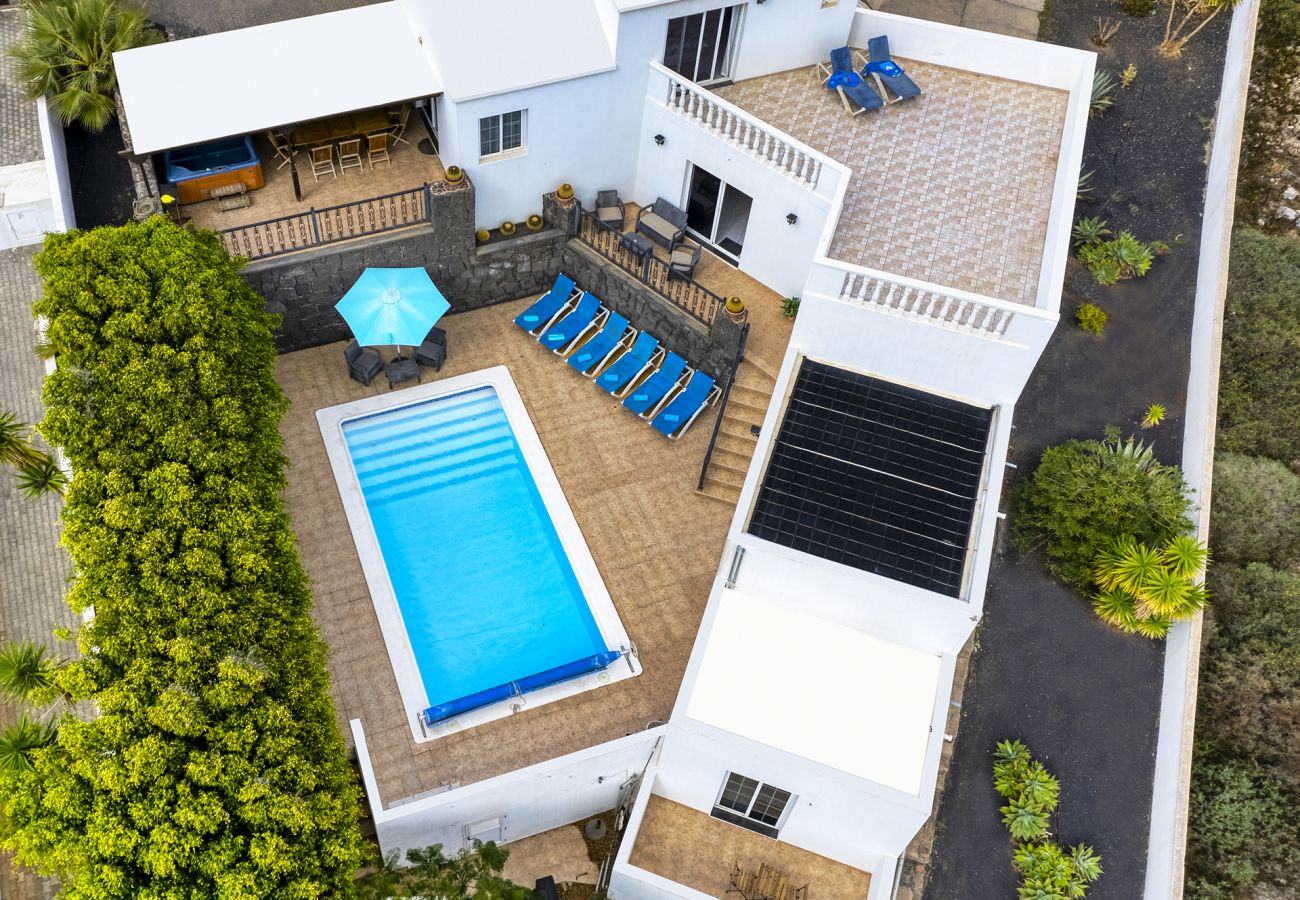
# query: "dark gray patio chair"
{"points": [[609, 209], [433, 351], [662, 222], [683, 260], [364, 363]]}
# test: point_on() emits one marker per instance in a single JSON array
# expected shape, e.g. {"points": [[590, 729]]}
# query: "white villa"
{"points": [[928, 242]]}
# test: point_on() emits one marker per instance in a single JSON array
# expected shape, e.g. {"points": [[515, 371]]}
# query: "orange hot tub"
{"points": [[198, 170]]}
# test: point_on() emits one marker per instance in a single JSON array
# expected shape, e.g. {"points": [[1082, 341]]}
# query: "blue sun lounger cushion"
{"points": [[645, 399], [678, 415], [887, 72], [591, 354], [548, 306], [631, 364], [574, 326]]}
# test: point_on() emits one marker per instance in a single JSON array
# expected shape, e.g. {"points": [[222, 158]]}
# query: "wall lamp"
{"points": [[791, 218], [659, 139]]}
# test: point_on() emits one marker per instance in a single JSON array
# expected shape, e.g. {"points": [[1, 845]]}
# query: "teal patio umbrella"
{"points": [[392, 306]]}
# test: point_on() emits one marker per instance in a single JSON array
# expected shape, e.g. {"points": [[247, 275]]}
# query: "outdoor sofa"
{"points": [[662, 222]]}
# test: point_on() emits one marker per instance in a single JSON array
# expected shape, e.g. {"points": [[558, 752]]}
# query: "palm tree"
{"points": [[20, 740], [66, 52], [38, 473], [26, 672]]}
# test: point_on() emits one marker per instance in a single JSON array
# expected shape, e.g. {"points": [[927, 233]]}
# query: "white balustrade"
{"points": [[936, 308], [741, 130]]}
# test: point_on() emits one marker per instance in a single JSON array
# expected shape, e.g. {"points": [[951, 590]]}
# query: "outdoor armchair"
{"points": [[364, 363], [432, 351], [662, 222], [683, 260], [609, 209]]}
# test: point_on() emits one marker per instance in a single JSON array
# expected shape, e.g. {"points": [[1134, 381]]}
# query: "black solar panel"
{"points": [[876, 476]]}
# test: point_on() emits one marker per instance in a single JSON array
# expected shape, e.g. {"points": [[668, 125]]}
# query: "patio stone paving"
{"points": [[954, 187], [699, 851], [656, 542]]}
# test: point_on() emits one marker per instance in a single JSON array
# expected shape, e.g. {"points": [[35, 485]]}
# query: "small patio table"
{"points": [[638, 243], [402, 368]]}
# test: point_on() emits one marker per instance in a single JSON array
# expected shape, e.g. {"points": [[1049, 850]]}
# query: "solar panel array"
{"points": [[876, 476]]}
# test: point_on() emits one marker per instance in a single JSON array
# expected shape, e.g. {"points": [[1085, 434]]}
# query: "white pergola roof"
{"points": [[823, 691], [248, 80]]}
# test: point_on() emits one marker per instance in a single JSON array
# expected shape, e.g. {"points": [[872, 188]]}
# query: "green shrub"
{"points": [[1255, 513], [1085, 494], [1117, 259], [1240, 830], [1032, 795], [1259, 393], [1253, 604], [213, 766], [431, 873], [1091, 318], [1145, 589]]}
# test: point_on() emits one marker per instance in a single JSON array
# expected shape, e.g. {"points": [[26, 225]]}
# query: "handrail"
{"points": [[316, 227], [722, 404], [744, 130]]}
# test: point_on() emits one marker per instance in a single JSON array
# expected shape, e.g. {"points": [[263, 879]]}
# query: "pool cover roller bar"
{"points": [[443, 711]]}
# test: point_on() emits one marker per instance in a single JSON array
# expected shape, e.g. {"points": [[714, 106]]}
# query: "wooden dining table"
{"points": [[332, 128]]}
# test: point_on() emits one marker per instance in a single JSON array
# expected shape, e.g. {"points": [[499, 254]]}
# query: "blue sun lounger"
{"points": [[656, 390], [592, 356], [678, 415], [841, 77], [624, 374], [548, 307], [887, 73], [574, 328]]}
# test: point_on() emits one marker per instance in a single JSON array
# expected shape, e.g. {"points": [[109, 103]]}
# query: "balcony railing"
{"points": [[317, 227], [741, 130], [935, 307], [692, 297]]}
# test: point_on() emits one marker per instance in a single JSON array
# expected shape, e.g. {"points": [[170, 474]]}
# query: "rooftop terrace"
{"points": [[954, 187], [655, 541]]}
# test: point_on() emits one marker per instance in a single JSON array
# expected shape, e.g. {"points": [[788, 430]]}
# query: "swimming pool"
{"points": [[485, 590]]}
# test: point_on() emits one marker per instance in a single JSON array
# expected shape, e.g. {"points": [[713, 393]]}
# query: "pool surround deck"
{"points": [[655, 541]]}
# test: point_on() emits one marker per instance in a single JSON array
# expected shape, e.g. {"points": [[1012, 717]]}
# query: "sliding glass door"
{"points": [[699, 47], [717, 213]]}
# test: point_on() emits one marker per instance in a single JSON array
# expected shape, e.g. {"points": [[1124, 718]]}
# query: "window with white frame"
{"points": [[502, 135], [752, 804]]}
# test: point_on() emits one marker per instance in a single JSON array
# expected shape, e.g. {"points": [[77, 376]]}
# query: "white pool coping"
{"points": [[415, 698]]}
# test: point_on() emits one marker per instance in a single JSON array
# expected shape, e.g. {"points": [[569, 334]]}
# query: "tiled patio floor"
{"points": [[699, 851], [954, 187], [657, 544], [410, 169]]}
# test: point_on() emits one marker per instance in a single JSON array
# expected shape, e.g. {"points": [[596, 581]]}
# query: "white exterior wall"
{"points": [[529, 801], [56, 168]]}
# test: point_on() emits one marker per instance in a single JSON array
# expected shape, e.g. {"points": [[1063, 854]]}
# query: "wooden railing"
{"points": [[692, 297], [317, 227], [741, 130], [935, 307]]}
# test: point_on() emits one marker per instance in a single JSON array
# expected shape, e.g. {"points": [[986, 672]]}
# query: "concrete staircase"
{"points": [[737, 436]]}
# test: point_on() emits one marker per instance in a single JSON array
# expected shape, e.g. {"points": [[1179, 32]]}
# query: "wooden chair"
{"points": [[350, 155], [284, 150], [400, 120], [377, 148], [322, 161]]}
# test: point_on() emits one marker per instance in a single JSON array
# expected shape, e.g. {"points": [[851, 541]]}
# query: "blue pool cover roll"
{"points": [[443, 711]]}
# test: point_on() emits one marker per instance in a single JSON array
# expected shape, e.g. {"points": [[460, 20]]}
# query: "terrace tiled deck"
{"points": [[954, 187], [410, 169], [657, 544], [699, 851]]}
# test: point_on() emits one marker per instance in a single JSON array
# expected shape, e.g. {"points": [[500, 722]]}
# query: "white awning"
{"points": [[252, 79], [817, 689]]}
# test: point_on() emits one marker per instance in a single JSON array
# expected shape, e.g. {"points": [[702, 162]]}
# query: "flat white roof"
{"points": [[494, 46], [817, 689], [248, 80]]}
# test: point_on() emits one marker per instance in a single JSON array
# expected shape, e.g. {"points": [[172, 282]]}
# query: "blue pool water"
{"points": [[486, 591]]}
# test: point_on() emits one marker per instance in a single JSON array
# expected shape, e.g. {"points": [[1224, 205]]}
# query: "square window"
{"points": [[501, 134], [769, 804], [738, 792]]}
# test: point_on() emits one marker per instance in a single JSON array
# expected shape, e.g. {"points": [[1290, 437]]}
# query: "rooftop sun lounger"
{"points": [[603, 346], [678, 415], [627, 371], [889, 75], [852, 89], [650, 396], [573, 329], [548, 307]]}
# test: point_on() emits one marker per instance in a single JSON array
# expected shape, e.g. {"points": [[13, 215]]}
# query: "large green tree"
{"points": [[66, 52], [213, 766]]}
